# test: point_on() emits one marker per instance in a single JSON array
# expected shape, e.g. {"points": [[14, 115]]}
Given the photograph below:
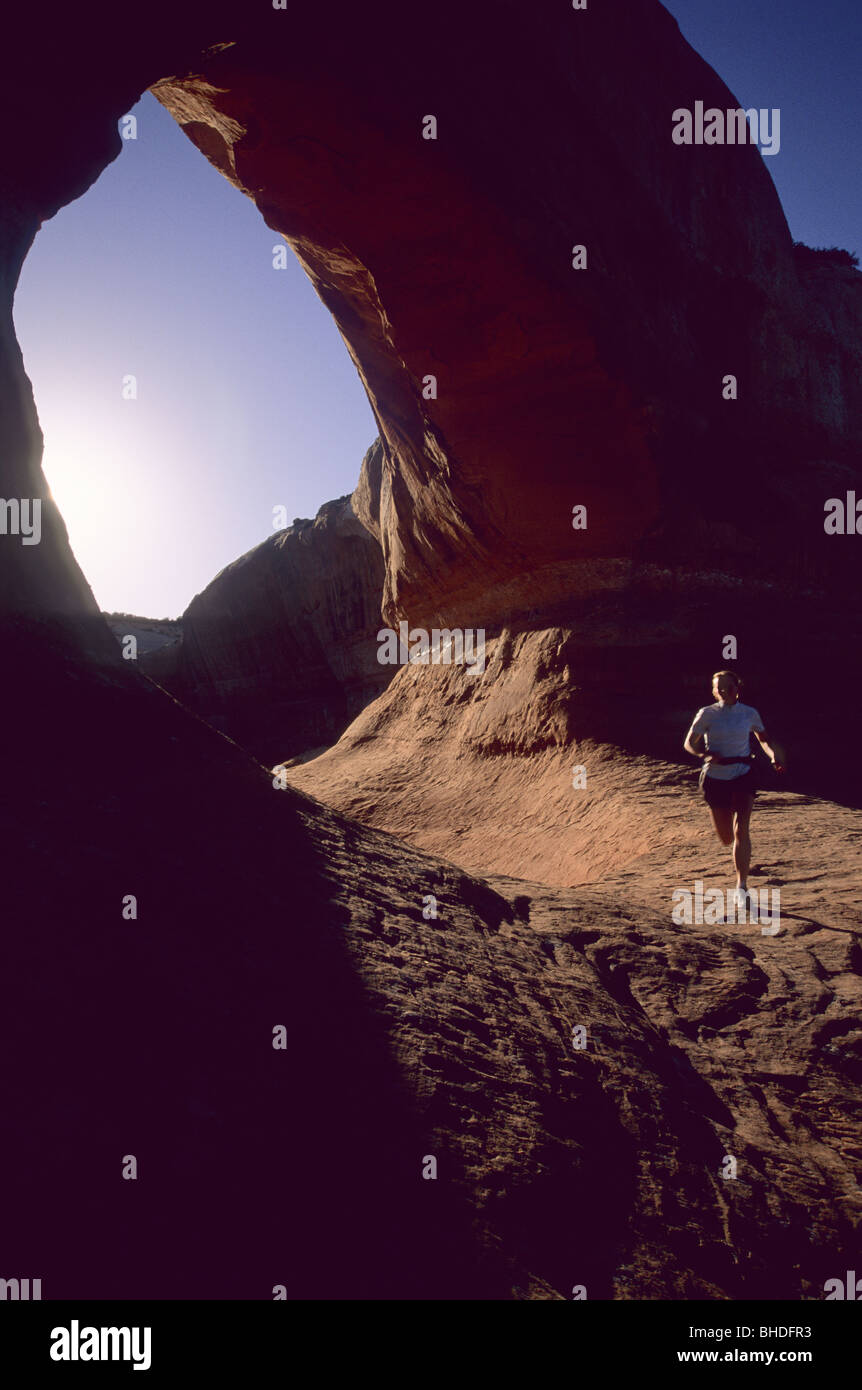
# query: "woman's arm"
{"points": [[695, 740], [773, 750]]}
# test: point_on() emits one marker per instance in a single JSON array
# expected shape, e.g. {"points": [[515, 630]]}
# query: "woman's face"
{"points": [[726, 690]]}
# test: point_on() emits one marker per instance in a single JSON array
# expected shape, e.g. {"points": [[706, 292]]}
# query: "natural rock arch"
{"points": [[555, 386]]}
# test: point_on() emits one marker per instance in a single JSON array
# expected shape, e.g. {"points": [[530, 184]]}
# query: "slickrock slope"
{"points": [[479, 767], [281, 647], [406, 1038]]}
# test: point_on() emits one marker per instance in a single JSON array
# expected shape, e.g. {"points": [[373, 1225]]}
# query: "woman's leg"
{"points": [[722, 819], [742, 841]]}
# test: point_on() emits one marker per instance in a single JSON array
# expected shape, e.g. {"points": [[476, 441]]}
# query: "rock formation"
{"points": [[555, 387], [406, 1037], [412, 1036], [280, 649], [612, 689]]}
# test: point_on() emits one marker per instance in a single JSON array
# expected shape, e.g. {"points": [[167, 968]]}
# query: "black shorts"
{"points": [[730, 794]]}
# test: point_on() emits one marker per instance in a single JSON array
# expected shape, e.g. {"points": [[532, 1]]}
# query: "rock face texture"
{"points": [[169, 911], [280, 649]]}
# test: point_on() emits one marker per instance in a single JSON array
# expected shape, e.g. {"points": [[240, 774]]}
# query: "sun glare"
{"points": [[107, 477]]}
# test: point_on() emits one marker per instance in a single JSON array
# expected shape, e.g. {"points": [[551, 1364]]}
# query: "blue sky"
{"points": [[247, 398], [804, 58]]}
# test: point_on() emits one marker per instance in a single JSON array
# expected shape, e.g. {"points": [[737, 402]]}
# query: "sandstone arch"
{"points": [[590, 379]]}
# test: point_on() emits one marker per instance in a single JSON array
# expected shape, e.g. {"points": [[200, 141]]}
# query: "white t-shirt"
{"points": [[727, 729]]}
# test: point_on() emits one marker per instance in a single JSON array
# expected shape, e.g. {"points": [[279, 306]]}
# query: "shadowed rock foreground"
{"points": [[406, 1038]]}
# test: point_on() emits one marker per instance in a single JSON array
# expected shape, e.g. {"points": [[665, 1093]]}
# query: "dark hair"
{"points": [[732, 675]]}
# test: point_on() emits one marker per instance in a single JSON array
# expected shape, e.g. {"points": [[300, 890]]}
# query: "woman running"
{"points": [[721, 735]]}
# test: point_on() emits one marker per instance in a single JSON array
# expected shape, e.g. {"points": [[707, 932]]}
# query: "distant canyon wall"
{"points": [[280, 650]]}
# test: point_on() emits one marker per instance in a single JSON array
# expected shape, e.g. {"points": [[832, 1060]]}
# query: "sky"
{"points": [[246, 396], [805, 58]]}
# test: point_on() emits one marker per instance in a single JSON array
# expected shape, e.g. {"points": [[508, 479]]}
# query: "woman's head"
{"points": [[727, 687]]}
